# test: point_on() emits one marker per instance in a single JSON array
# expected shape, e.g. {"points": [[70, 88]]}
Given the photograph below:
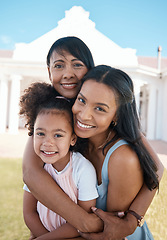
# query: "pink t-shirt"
{"points": [[52, 220]]}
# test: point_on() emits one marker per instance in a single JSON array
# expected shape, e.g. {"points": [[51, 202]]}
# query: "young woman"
{"points": [[68, 61], [50, 122], [108, 119]]}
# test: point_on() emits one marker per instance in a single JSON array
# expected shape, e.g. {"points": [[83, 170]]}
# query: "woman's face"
{"points": [[65, 73], [94, 109]]}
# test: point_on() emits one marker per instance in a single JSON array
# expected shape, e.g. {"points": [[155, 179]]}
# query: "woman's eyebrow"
{"points": [[103, 104], [82, 95], [75, 59], [98, 103], [58, 60]]}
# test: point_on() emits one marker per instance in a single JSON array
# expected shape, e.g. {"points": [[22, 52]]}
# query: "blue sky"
{"points": [[137, 24]]}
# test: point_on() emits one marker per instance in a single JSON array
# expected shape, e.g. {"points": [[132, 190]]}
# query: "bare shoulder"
{"points": [[125, 157], [125, 178]]}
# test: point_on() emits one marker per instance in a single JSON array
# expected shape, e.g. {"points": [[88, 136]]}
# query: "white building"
{"points": [[27, 64]]}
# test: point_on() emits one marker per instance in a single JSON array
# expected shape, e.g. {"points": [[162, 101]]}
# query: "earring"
{"points": [[113, 123]]}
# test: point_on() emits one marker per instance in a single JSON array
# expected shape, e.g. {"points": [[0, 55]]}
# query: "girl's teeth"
{"points": [[69, 85], [83, 125], [49, 152]]}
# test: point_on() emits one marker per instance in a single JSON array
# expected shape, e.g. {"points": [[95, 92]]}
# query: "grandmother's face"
{"points": [[65, 73]]}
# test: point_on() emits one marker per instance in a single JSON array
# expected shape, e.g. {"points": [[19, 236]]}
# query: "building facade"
{"points": [[27, 64]]}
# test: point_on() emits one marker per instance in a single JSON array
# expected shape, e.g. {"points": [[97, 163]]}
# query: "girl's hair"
{"points": [[39, 97], [75, 47], [128, 124]]}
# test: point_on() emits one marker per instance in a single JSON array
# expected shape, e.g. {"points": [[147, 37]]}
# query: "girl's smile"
{"points": [[53, 136]]}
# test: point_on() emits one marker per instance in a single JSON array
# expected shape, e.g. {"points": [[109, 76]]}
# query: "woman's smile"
{"points": [[94, 109], [65, 73], [69, 85], [82, 125]]}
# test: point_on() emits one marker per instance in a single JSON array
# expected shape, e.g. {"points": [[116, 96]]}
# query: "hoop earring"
{"points": [[113, 123]]}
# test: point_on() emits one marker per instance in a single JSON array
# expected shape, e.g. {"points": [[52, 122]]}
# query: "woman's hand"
{"points": [[115, 228]]}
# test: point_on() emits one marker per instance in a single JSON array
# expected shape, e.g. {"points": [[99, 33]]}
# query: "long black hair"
{"points": [[128, 124]]}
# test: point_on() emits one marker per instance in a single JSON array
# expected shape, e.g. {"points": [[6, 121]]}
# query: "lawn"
{"points": [[11, 219], [12, 226]]}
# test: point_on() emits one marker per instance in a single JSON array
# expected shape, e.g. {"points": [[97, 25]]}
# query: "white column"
{"points": [[137, 94], [3, 102], [164, 110], [14, 104], [151, 119]]}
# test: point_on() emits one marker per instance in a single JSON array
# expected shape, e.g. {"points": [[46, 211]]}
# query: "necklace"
{"points": [[102, 145]]}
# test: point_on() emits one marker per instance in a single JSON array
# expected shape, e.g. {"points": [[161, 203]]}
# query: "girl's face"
{"points": [[53, 136], [65, 73], [94, 109]]}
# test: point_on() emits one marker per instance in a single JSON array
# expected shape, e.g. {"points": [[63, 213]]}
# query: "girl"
{"points": [[68, 61], [50, 122], [108, 118]]}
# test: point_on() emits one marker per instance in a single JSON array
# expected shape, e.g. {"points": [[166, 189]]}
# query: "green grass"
{"points": [[156, 215], [12, 226]]}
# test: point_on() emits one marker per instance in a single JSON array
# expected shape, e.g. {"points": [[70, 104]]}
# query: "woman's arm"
{"points": [[145, 196], [115, 227], [125, 179], [38, 231], [31, 216], [38, 180], [67, 230]]}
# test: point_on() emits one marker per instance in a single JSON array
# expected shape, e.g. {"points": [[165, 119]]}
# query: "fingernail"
{"points": [[93, 209], [121, 214]]}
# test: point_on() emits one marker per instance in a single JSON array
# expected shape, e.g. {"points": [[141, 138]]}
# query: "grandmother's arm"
{"points": [[113, 225], [38, 180], [145, 197]]}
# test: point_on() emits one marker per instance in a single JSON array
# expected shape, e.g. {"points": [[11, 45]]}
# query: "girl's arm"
{"points": [[63, 232], [31, 217], [38, 180], [67, 230], [37, 229]]}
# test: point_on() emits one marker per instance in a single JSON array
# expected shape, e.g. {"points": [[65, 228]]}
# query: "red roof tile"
{"points": [[6, 53], [152, 62]]}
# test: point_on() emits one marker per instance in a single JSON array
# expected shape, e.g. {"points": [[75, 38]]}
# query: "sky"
{"points": [[137, 24]]}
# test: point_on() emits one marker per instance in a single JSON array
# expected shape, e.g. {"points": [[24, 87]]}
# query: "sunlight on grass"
{"points": [[11, 218], [157, 213]]}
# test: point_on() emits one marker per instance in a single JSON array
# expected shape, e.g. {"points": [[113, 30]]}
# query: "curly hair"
{"points": [[41, 96]]}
